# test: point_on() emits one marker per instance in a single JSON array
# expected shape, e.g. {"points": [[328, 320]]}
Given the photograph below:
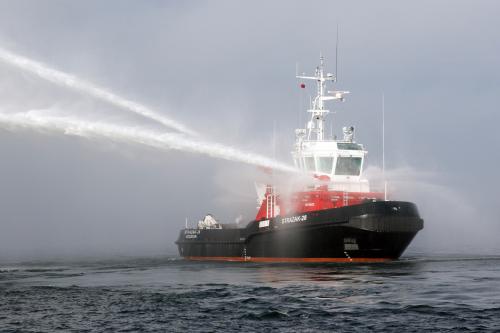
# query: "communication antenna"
{"points": [[383, 146], [337, 54], [274, 139], [383, 135]]}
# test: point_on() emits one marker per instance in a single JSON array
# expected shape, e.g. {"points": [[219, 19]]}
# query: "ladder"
{"points": [[345, 198], [270, 202]]}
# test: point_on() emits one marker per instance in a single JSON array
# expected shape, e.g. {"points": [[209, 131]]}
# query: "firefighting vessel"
{"points": [[333, 218]]}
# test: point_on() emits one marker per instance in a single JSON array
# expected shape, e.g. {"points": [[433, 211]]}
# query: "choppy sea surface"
{"points": [[414, 294]]}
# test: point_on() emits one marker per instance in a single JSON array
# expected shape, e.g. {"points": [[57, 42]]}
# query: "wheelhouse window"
{"points": [[348, 166], [348, 146], [309, 161], [325, 164]]}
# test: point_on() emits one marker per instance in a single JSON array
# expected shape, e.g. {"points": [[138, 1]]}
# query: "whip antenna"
{"points": [[337, 54], [383, 146]]}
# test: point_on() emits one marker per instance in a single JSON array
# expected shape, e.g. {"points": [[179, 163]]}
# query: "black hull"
{"points": [[372, 231]]}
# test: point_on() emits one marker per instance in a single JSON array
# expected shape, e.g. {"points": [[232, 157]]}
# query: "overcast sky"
{"points": [[226, 68]]}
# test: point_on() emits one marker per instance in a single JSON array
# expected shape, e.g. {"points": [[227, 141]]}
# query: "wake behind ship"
{"points": [[334, 217]]}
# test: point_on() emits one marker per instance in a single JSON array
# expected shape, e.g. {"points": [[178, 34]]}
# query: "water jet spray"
{"points": [[72, 82], [164, 141]]}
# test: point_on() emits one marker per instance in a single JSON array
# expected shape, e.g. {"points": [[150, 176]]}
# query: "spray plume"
{"points": [[70, 81], [164, 141], [447, 209]]}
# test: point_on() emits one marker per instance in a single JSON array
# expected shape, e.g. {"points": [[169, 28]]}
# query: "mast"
{"points": [[316, 126]]}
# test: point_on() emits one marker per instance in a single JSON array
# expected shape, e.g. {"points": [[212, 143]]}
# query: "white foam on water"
{"points": [[68, 125], [72, 82]]}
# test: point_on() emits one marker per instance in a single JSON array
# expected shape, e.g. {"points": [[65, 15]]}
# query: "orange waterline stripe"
{"points": [[277, 259]]}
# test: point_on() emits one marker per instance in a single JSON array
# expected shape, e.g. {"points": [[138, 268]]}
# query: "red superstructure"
{"points": [[316, 199]]}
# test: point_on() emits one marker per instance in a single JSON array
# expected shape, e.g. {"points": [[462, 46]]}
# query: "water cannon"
{"points": [[300, 132], [348, 133]]}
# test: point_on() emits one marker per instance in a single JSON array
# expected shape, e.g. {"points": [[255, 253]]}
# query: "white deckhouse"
{"points": [[338, 161]]}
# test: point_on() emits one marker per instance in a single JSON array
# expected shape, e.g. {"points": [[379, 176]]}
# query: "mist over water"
{"points": [[452, 221], [72, 82], [37, 235], [446, 211]]}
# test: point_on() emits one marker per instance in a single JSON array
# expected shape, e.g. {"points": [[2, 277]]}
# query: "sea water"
{"points": [[414, 294]]}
